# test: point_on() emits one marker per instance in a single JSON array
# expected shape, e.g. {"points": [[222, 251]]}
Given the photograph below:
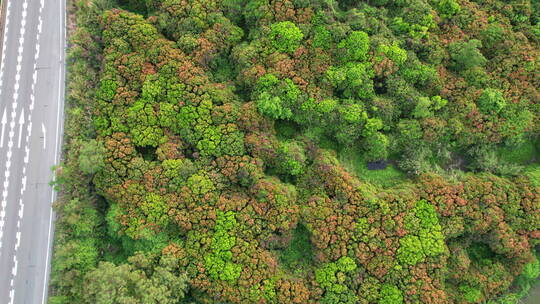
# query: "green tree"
{"points": [[285, 36], [426, 106], [420, 75], [466, 55], [518, 119], [422, 108], [394, 52], [218, 262], [276, 98], [390, 294], [355, 80], [331, 277], [322, 38], [448, 8], [200, 183], [141, 281], [144, 125], [292, 159], [273, 106], [376, 147], [78, 255], [491, 36], [470, 294], [155, 209], [91, 157], [355, 46], [532, 270], [425, 238], [491, 101]]}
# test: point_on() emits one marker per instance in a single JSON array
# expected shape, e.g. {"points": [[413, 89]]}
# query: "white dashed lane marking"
{"points": [[26, 142], [13, 106], [21, 123], [4, 122], [11, 115]]}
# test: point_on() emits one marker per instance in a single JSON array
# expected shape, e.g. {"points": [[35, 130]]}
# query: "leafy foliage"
{"points": [[209, 133], [491, 101], [285, 36], [355, 46], [466, 55], [92, 157], [218, 263], [390, 294], [138, 281]]}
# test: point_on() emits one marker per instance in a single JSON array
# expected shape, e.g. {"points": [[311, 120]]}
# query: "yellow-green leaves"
{"points": [[219, 262], [331, 277], [355, 46], [425, 238], [285, 36]]}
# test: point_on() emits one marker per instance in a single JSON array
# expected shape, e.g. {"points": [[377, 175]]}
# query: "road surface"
{"points": [[31, 113]]}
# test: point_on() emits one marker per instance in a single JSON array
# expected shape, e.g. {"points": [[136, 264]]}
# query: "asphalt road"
{"points": [[31, 113]]}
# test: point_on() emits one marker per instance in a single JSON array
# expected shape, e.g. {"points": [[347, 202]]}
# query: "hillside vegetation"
{"points": [[222, 152]]}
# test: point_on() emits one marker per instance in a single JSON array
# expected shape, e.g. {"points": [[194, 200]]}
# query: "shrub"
{"points": [[470, 294], [292, 159], [376, 147], [91, 157], [466, 55], [448, 8], [299, 253], [491, 101]]}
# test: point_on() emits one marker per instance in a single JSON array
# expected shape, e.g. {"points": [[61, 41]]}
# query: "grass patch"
{"points": [[533, 173], [323, 140], [386, 178], [522, 154], [298, 256]]}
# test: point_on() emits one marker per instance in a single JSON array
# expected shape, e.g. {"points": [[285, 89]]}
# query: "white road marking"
{"points": [[4, 122], [14, 103], [4, 45], [21, 123], [27, 138], [11, 131], [44, 135], [18, 239], [14, 269]]}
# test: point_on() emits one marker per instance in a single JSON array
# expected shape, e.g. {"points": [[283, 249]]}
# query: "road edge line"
{"points": [[2, 24]]}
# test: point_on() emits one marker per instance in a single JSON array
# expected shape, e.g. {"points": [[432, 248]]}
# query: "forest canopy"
{"points": [[300, 151]]}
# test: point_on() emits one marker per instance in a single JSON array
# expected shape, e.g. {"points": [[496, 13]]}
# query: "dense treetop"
{"points": [[226, 145]]}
